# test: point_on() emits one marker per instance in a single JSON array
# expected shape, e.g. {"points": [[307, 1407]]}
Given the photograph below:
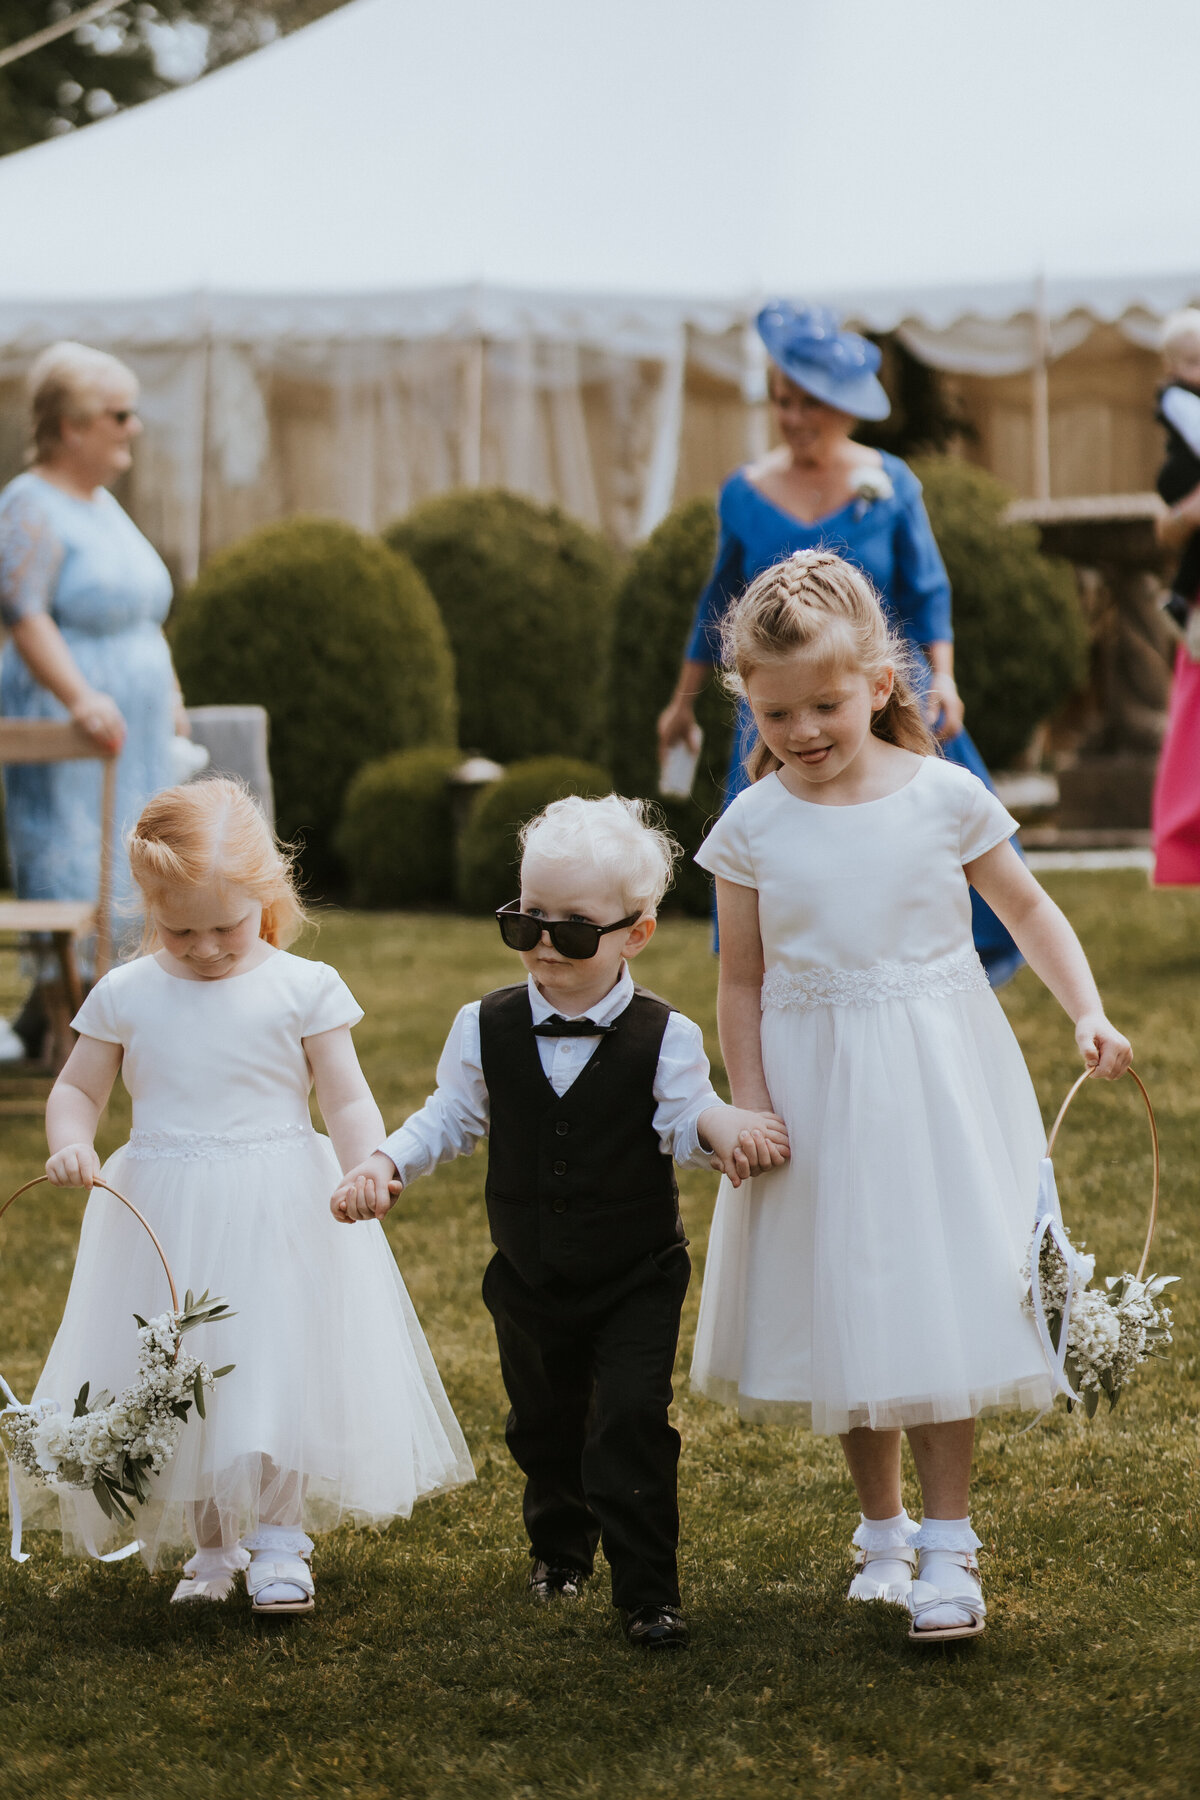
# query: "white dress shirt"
{"points": [[453, 1119]]}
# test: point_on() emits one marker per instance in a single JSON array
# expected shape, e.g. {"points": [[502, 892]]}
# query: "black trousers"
{"points": [[588, 1374]]}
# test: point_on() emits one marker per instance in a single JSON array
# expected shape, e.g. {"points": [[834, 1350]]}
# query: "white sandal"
{"points": [[866, 1587], [209, 1575], [279, 1559], [925, 1597]]}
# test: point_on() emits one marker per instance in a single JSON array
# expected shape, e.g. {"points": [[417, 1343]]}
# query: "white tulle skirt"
{"points": [[334, 1412], [875, 1279]]}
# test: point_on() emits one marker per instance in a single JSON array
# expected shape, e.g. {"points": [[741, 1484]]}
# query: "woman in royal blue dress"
{"points": [[820, 490]]}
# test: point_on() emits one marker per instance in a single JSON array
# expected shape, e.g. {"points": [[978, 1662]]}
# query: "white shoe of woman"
{"points": [[946, 1599]]}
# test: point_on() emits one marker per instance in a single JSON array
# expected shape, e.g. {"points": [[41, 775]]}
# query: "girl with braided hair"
{"points": [[873, 1285], [821, 490]]}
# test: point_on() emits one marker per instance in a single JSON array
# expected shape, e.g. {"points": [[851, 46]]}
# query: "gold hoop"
{"points": [[143, 1222], [1062, 1113]]}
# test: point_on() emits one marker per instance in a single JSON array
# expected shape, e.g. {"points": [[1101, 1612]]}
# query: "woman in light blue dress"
{"points": [[83, 596], [820, 490]]}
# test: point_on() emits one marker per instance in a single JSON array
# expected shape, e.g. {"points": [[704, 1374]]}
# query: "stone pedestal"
{"points": [[1105, 747]]}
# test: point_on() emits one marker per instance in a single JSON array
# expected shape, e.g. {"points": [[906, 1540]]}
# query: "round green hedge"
{"points": [[654, 608], [1020, 636], [339, 638], [396, 837], [526, 593], [489, 855]]}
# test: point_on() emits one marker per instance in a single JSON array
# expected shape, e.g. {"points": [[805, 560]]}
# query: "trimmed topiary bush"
{"points": [[1020, 637], [396, 837], [654, 607], [489, 856], [526, 593], [339, 638]]}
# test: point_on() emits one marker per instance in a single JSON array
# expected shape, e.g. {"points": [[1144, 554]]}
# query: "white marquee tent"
{"points": [[425, 242]]}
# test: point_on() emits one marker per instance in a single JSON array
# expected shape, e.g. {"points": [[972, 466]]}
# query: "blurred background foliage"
{"points": [[128, 55]]}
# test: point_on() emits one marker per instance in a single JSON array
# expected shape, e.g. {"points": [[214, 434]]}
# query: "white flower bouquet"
{"points": [[1093, 1339], [1108, 1334], [113, 1445]]}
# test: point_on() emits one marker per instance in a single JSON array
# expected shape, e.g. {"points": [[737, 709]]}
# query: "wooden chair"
{"points": [[63, 921]]}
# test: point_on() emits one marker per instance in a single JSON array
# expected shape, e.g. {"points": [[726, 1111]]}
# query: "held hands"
{"points": [[1106, 1053], [743, 1143], [367, 1191], [75, 1165]]}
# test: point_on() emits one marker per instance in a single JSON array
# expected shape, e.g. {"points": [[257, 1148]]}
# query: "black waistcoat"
{"points": [[577, 1187]]}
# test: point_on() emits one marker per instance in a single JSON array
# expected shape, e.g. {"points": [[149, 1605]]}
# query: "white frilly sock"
{"points": [[885, 1573], [272, 1541], [935, 1537]]}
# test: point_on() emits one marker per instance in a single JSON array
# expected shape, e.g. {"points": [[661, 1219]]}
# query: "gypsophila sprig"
{"points": [[113, 1446], [1108, 1333]]}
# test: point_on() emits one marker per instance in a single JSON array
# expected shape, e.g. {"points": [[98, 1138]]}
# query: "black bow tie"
{"points": [[557, 1026]]}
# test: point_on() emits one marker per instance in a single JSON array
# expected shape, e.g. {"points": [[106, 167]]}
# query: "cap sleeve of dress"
{"points": [[984, 821], [726, 849], [330, 1002], [97, 1017]]}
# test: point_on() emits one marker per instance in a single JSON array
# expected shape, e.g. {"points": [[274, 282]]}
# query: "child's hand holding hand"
{"points": [[1106, 1053], [75, 1165], [366, 1192], [743, 1143]]}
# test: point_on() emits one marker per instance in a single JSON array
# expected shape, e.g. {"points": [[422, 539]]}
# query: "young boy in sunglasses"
{"points": [[588, 1089]]}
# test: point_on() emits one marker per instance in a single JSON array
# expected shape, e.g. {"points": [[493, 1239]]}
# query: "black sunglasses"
{"points": [[572, 938]]}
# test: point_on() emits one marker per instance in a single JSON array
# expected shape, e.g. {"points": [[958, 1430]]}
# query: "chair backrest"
{"points": [[62, 740]]}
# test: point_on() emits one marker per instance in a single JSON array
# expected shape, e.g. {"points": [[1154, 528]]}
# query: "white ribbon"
{"points": [[14, 1499], [1049, 1224]]}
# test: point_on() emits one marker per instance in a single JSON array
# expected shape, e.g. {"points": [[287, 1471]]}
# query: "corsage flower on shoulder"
{"points": [[868, 483]]}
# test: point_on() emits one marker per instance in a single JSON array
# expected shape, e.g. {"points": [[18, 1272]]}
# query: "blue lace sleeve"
{"points": [[30, 555]]}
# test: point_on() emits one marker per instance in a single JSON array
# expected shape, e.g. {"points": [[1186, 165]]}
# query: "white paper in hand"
{"points": [[678, 769]]}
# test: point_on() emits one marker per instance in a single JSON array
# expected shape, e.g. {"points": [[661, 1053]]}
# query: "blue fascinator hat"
{"points": [[832, 365]]}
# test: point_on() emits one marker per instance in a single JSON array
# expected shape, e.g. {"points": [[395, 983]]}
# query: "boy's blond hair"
{"points": [[614, 838]]}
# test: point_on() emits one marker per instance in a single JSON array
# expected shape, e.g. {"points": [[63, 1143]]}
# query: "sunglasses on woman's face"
{"points": [[573, 938]]}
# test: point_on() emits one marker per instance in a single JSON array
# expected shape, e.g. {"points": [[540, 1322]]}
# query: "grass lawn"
{"points": [[425, 1672]]}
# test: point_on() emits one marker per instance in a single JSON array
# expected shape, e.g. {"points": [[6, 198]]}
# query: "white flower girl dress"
{"points": [[335, 1410], [874, 1280]]}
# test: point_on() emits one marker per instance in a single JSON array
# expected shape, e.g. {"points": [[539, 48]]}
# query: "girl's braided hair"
{"points": [[816, 603]]}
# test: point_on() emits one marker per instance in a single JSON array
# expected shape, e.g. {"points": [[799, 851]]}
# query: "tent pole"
{"points": [[472, 436], [1040, 380], [193, 550]]}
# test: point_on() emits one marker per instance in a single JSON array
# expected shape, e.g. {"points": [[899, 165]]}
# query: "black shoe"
{"points": [[656, 1628], [555, 1581]]}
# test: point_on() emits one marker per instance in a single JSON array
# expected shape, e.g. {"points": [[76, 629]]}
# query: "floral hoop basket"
{"points": [[111, 1445], [1093, 1338]]}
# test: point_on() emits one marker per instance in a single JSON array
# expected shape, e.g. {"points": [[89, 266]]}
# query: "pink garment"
{"points": [[1176, 812]]}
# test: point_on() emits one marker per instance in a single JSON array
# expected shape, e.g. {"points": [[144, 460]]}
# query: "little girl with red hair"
{"points": [[334, 1410]]}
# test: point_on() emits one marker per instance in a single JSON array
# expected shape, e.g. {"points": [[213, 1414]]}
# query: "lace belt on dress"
{"points": [[960, 973], [216, 1146]]}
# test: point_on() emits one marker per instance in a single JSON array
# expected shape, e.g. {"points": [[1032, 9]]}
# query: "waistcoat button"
{"points": [[559, 1206], [561, 1127], [560, 1167]]}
